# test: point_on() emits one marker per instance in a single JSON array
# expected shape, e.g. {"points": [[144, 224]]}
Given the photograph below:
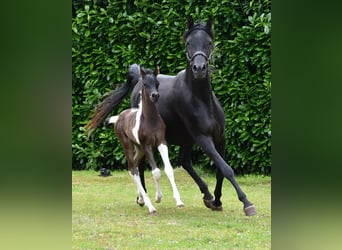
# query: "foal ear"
{"points": [[210, 23], [142, 72], [156, 70], [190, 22]]}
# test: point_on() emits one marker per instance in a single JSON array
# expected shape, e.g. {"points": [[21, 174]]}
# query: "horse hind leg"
{"points": [[163, 150]]}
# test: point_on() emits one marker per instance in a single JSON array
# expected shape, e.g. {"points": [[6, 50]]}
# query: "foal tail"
{"points": [[113, 99], [111, 120]]}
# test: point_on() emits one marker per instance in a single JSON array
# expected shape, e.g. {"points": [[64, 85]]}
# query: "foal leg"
{"points": [[136, 178], [185, 161], [132, 168], [140, 199], [163, 150], [155, 172], [208, 146], [139, 154]]}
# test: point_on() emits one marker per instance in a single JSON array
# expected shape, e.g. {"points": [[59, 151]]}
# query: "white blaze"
{"points": [[137, 123]]}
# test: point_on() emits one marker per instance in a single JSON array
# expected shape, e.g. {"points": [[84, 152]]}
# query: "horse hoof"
{"points": [[158, 199], [250, 210], [214, 208], [140, 204], [153, 212], [210, 204], [180, 205]]}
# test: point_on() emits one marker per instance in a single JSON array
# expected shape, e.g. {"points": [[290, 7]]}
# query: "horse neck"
{"points": [[200, 88]]}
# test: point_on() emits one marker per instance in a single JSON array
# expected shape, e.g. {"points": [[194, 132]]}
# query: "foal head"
{"points": [[150, 84], [199, 47]]}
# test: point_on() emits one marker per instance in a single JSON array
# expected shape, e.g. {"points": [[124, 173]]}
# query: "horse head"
{"points": [[150, 83], [199, 47]]}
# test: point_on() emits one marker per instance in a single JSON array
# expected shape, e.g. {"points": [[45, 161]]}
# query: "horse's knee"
{"points": [[228, 172]]}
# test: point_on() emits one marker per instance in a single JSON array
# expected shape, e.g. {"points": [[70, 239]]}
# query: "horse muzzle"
{"points": [[199, 65], [154, 97], [199, 70]]}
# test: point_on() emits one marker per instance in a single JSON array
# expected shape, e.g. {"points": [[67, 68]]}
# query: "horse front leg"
{"points": [[208, 147], [155, 172], [217, 204], [132, 161], [185, 162], [163, 150], [141, 167]]}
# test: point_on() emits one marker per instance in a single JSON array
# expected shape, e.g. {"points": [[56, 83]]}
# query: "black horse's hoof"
{"points": [[250, 210], [211, 204]]}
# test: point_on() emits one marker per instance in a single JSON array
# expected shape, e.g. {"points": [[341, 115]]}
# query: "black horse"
{"points": [[190, 110]]}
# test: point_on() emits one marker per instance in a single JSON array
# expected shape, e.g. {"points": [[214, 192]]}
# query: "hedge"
{"points": [[108, 36]]}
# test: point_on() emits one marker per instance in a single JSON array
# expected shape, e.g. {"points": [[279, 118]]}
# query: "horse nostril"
{"points": [[155, 95], [197, 68]]}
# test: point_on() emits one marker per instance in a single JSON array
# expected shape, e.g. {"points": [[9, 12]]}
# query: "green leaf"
{"points": [[144, 35]]}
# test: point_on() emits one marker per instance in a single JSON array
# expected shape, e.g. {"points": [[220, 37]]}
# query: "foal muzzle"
{"points": [[154, 97]]}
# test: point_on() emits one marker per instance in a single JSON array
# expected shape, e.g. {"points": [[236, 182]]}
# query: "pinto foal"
{"points": [[139, 130]]}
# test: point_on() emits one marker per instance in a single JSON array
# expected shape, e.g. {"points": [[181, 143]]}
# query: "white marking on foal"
{"points": [[137, 122], [113, 119], [156, 176], [147, 200], [163, 150]]}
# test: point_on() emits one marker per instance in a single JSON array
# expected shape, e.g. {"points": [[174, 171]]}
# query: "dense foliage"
{"points": [[108, 36]]}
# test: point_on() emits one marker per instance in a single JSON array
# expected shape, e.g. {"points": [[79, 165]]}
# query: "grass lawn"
{"points": [[105, 215]]}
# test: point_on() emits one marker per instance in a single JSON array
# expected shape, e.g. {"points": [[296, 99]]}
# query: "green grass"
{"points": [[105, 215]]}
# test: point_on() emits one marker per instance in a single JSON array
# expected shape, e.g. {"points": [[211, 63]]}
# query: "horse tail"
{"points": [[113, 98]]}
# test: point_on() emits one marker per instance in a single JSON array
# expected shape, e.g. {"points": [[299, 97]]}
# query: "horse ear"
{"points": [[156, 70], [142, 72], [210, 23], [190, 22]]}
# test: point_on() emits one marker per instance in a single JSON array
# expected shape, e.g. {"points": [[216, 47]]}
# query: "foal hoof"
{"points": [[211, 204], [153, 212], [140, 204], [250, 210], [180, 205]]}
